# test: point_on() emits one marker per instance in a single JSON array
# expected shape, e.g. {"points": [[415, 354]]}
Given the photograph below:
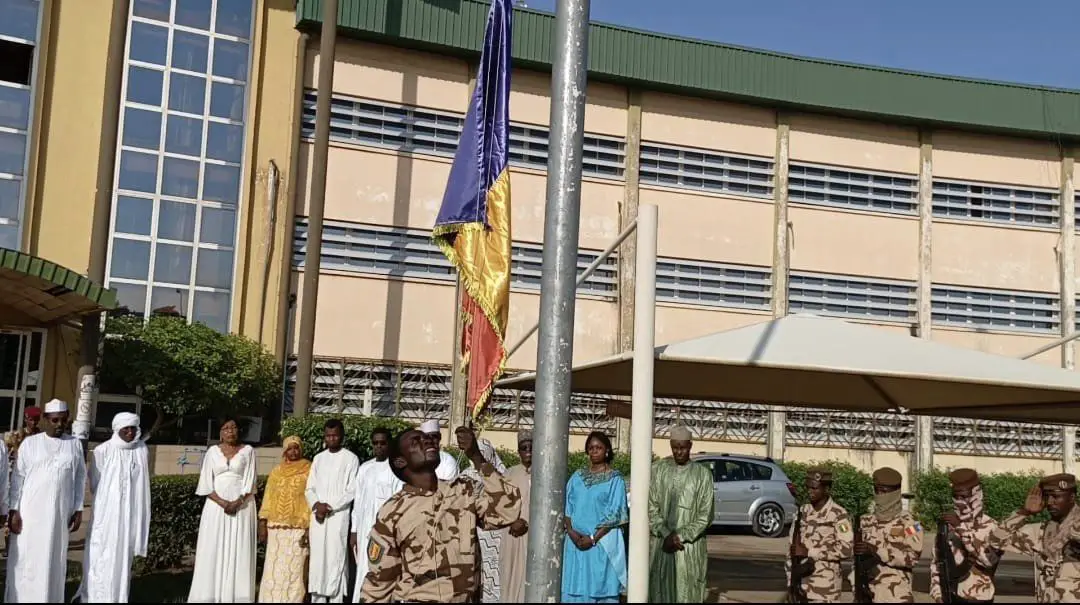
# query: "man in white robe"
{"points": [[47, 488], [448, 467], [330, 493], [375, 483], [120, 515]]}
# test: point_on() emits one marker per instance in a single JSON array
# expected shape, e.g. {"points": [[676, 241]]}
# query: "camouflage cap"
{"points": [[819, 475], [964, 478], [1062, 482], [888, 477]]}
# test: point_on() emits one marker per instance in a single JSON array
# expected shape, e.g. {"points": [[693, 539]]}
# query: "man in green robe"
{"points": [[681, 501]]}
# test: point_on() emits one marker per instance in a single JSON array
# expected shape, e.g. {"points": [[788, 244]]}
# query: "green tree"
{"points": [[185, 369]]}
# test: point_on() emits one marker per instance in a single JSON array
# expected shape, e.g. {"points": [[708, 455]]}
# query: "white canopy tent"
{"points": [[816, 362]]}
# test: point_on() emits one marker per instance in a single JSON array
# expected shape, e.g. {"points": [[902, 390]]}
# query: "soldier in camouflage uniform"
{"points": [[973, 536], [1054, 544], [423, 546], [892, 538], [824, 539]]}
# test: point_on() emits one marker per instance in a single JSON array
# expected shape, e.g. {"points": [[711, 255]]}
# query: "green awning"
{"points": [[36, 293]]}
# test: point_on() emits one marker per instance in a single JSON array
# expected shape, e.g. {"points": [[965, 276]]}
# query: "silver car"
{"points": [[751, 491]]}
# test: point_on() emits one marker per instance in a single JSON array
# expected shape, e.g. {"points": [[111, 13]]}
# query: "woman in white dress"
{"points": [[225, 553]]}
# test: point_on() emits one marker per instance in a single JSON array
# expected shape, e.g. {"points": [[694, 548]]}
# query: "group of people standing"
{"points": [[888, 542]]}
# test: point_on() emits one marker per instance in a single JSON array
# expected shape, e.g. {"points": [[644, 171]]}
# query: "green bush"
{"points": [[357, 431], [852, 488], [1003, 494], [174, 527]]}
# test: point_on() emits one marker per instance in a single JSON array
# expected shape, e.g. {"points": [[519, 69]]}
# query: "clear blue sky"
{"points": [[1028, 41]]}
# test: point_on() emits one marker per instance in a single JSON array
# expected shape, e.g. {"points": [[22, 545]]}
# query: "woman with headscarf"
{"points": [[283, 525], [225, 551], [120, 516]]}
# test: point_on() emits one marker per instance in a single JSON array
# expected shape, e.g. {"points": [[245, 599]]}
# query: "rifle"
{"points": [[800, 566], [864, 567], [949, 573]]}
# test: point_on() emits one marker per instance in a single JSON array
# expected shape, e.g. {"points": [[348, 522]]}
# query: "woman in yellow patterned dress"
{"points": [[283, 527]]}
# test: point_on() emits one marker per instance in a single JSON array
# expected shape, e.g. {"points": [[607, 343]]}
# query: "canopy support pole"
{"points": [[641, 419]]}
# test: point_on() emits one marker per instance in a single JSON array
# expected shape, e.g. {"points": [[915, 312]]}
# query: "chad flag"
{"points": [[473, 227]]}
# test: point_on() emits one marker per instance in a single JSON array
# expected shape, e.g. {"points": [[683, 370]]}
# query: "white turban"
{"points": [[122, 421], [55, 407], [429, 426]]}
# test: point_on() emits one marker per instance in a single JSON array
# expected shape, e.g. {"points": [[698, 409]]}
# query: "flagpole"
{"points": [[555, 343]]}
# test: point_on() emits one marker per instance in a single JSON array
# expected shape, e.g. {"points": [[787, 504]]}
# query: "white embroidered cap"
{"points": [[55, 407]]}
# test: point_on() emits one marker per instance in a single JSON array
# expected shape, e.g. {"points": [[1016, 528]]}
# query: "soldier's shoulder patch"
{"points": [[844, 527], [897, 532], [913, 529], [374, 551]]}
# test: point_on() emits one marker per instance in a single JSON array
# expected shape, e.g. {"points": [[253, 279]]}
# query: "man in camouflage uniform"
{"points": [[823, 542], [423, 547], [893, 540], [1054, 544], [974, 541]]}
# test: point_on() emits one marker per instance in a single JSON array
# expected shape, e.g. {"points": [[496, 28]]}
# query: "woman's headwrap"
{"points": [[122, 421], [290, 441]]}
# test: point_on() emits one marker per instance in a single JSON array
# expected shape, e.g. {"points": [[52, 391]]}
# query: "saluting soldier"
{"points": [[973, 540], [1054, 544], [423, 546], [822, 543], [893, 540]]}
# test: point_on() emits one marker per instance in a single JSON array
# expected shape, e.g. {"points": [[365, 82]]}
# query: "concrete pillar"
{"points": [[627, 253], [1067, 260], [774, 440], [922, 457]]}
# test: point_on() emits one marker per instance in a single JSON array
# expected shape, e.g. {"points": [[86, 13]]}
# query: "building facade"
{"points": [[916, 203]]}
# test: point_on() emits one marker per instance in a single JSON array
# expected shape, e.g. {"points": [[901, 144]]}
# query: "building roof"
{"points": [[35, 292], [690, 67]]}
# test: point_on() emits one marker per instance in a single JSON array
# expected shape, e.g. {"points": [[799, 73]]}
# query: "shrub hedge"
{"points": [[852, 488], [1003, 494]]}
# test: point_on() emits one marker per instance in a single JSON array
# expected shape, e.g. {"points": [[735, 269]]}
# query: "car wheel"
{"points": [[769, 521]]}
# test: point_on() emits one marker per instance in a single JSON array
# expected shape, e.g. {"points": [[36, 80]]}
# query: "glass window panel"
{"points": [[169, 300], [190, 51], [152, 9], [212, 309], [193, 13], [142, 128], [234, 18], [187, 93], [225, 142], [184, 135], [230, 59], [181, 178], [149, 43], [9, 237], [214, 268], [227, 101], [134, 214], [218, 226], [131, 297], [172, 264], [176, 221], [9, 198], [12, 152], [14, 106], [138, 171], [20, 18], [222, 184], [144, 85], [130, 259]]}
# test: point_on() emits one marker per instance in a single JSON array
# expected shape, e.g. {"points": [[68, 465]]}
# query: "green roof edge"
{"points": [[58, 275], [698, 68]]}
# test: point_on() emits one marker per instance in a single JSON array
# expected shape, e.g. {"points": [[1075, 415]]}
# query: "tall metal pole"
{"points": [[641, 410], [316, 206], [555, 344]]}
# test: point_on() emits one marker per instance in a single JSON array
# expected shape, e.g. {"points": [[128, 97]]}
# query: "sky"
{"points": [[1031, 41]]}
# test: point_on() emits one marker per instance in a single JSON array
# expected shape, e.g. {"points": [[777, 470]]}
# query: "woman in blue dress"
{"points": [[594, 552]]}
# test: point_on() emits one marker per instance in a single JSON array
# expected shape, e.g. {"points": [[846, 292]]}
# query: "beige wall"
{"points": [[854, 143]]}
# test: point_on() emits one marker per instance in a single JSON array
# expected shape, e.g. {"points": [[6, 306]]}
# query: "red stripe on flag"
{"points": [[482, 347]]}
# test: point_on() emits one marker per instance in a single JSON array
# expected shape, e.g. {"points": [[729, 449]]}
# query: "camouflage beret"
{"points": [[819, 475], [964, 478], [1061, 482], [888, 477]]}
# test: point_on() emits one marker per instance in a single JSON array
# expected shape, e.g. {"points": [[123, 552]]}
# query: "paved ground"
{"points": [[748, 569]]}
